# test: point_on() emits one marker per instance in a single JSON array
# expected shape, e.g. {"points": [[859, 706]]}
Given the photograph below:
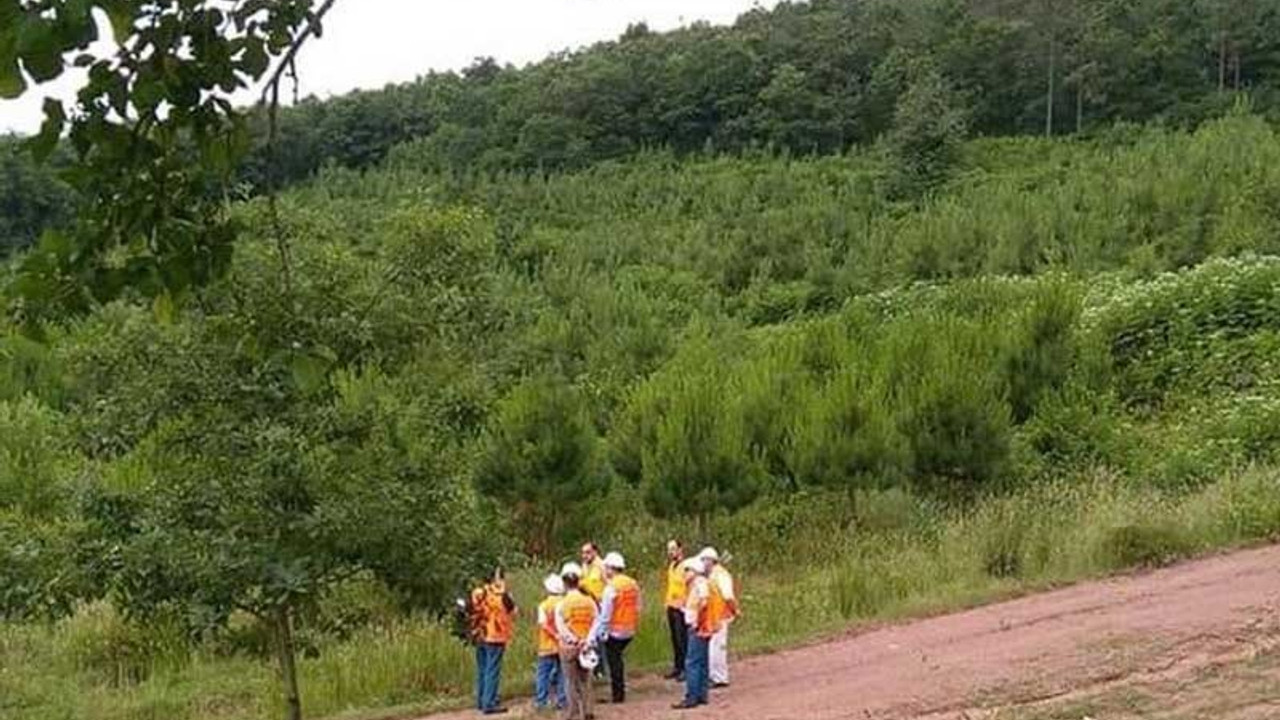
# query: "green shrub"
{"points": [[1146, 544]]}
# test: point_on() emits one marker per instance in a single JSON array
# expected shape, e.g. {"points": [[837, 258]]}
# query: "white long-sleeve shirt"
{"points": [[699, 594]]}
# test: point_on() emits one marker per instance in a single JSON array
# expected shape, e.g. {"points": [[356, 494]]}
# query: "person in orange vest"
{"points": [[674, 592], [699, 611], [727, 596], [575, 615], [593, 571], [547, 678], [493, 611], [618, 621]]}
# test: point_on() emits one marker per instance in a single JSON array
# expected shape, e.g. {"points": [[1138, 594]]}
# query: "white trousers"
{"points": [[719, 660]]}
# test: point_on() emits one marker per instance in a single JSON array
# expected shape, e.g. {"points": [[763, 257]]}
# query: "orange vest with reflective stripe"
{"points": [[676, 590], [713, 613], [626, 605], [547, 642], [717, 575], [496, 624], [579, 613]]}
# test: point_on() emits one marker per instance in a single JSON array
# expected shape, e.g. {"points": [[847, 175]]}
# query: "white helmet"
{"points": [[589, 659], [694, 565], [709, 553], [614, 560], [571, 569], [553, 584]]}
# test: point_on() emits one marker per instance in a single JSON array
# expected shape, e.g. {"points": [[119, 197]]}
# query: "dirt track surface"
{"points": [[1019, 658]]}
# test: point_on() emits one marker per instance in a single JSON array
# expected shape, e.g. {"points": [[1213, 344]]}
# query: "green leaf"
{"points": [[55, 119], [121, 15], [12, 84], [254, 61]]}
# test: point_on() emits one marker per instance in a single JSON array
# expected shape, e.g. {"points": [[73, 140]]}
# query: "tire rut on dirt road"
{"points": [[1019, 652]]}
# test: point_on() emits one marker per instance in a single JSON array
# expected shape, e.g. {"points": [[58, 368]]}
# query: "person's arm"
{"points": [[724, 583], [542, 616], [604, 618]]}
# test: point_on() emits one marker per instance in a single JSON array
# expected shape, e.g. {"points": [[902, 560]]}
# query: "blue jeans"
{"points": [[697, 677], [548, 680], [488, 674]]}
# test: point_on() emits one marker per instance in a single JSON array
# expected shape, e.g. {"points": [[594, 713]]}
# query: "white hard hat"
{"points": [[553, 584], [571, 569], [709, 553], [589, 659], [614, 560], [694, 565]]}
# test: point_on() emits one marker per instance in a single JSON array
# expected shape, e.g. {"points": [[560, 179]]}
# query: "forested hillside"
{"points": [[802, 78], [768, 351]]}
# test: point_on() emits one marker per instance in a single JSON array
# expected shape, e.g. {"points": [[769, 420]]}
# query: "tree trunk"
{"points": [[288, 663], [1237, 64], [1053, 67], [1079, 106], [1222, 62]]}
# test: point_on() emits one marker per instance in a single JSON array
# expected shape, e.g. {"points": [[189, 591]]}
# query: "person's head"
{"points": [[709, 557], [614, 564], [692, 568], [590, 551], [675, 551], [553, 584], [570, 575]]}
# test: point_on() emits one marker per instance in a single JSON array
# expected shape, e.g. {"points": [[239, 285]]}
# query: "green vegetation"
{"points": [[901, 397], [772, 296]]}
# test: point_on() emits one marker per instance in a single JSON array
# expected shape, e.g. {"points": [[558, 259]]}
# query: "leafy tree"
{"points": [[152, 219], [543, 461], [929, 123], [698, 459]]}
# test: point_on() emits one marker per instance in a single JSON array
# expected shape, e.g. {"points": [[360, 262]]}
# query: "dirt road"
{"points": [[1037, 657]]}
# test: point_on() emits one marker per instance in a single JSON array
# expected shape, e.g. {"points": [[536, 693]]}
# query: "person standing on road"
{"points": [[674, 591], [698, 610], [726, 598], [548, 680], [592, 572], [618, 621], [494, 619], [575, 615]]}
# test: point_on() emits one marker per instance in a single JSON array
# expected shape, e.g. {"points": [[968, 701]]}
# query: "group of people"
{"points": [[595, 605]]}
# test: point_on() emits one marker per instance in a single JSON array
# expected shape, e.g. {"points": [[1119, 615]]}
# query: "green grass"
{"points": [[1040, 537]]}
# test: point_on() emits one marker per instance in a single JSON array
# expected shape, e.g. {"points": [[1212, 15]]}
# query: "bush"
{"points": [[1147, 544]]}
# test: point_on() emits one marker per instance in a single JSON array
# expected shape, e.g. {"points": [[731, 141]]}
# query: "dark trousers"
{"points": [[614, 650], [488, 674], [679, 639]]}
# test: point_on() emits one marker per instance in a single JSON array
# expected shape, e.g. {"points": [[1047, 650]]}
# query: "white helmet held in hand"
{"points": [[589, 659]]}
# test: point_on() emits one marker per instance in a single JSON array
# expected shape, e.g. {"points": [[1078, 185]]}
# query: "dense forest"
{"points": [[914, 303], [802, 78]]}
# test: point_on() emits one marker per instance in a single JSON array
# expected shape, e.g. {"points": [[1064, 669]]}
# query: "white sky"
{"points": [[369, 43]]}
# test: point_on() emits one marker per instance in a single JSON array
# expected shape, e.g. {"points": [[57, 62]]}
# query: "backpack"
{"points": [[468, 622]]}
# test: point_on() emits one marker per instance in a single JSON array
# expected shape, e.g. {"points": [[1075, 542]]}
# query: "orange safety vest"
{"points": [[676, 590], [708, 621], [725, 609], [495, 622], [593, 581], [626, 605], [579, 613], [547, 642]]}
